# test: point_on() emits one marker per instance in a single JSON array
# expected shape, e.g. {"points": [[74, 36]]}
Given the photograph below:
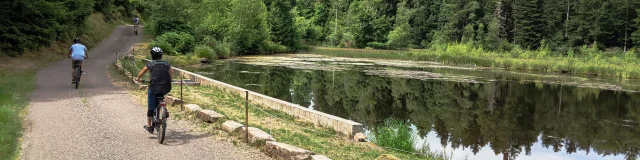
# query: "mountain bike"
{"points": [[160, 117], [135, 29], [78, 68]]}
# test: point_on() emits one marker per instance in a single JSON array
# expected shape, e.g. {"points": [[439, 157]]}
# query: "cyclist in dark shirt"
{"points": [[160, 82]]}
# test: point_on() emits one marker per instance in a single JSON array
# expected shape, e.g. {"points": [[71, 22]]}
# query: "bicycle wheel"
{"points": [[163, 125], [77, 77]]}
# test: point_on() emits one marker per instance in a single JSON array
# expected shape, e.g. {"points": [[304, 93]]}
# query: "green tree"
{"points": [[425, 21], [528, 23], [400, 36], [281, 23], [554, 18], [171, 16], [249, 29], [580, 22], [636, 35]]}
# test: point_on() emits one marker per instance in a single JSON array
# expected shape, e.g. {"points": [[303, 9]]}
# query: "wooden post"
{"points": [[181, 98], [246, 115]]}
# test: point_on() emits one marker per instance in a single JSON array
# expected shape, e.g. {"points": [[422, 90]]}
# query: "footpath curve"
{"points": [[101, 121]]}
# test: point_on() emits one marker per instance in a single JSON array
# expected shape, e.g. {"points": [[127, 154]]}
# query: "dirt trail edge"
{"points": [[100, 121]]}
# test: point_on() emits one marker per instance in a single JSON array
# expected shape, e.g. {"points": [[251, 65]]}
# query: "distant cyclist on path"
{"points": [[77, 52], [136, 20]]}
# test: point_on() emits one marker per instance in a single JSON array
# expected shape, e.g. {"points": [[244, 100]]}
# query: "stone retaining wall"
{"points": [[340, 125]]}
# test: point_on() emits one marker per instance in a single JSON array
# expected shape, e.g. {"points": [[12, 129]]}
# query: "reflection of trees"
{"points": [[507, 116]]}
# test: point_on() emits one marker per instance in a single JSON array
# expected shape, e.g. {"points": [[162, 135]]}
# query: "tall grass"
{"points": [[395, 134], [585, 60]]}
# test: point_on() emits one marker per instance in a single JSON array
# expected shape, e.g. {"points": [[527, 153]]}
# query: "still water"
{"points": [[471, 114]]}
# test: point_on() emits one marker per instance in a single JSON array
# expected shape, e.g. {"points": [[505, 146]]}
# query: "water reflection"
{"points": [[523, 120]]}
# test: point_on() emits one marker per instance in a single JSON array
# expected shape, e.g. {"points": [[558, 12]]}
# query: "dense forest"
{"points": [[32, 24], [259, 26], [282, 25], [492, 24]]}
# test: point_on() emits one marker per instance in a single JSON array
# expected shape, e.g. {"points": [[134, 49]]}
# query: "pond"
{"points": [[468, 112]]}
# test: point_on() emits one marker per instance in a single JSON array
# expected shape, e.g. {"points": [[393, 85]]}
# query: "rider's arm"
{"points": [[171, 73], [142, 72], [86, 53], [70, 52]]}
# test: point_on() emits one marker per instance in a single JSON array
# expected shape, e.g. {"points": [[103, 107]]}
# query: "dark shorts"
{"points": [[152, 101], [73, 63]]}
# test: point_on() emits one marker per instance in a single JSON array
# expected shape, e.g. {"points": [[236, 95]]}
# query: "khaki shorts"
{"points": [[72, 64]]}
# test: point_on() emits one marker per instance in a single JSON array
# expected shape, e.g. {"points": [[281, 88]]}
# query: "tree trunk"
{"points": [[566, 21]]}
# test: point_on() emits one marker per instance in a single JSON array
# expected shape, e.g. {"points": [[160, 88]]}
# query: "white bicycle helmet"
{"points": [[156, 51]]}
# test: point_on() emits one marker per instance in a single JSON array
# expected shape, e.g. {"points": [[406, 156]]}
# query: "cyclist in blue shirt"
{"points": [[77, 52]]}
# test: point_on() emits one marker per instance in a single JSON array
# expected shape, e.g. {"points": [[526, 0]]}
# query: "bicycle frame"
{"points": [[160, 118], [78, 74]]}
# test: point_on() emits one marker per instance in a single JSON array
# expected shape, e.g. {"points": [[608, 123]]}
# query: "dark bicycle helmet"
{"points": [[76, 40], [156, 52]]}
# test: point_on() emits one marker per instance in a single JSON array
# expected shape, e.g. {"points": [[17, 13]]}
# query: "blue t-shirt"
{"points": [[77, 52]]}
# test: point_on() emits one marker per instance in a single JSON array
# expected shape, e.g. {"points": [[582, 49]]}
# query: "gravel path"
{"points": [[100, 121]]}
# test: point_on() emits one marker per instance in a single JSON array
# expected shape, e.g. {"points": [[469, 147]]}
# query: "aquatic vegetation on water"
{"points": [[593, 63], [426, 70]]}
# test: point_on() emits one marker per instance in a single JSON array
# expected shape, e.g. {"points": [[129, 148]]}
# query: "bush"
{"points": [[272, 47], [164, 45], [348, 40], [205, 52], [395, 134], [175, 42], [377, 45], [223, 50]]}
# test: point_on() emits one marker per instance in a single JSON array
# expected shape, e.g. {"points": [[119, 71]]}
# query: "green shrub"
{"points": [[175, 42], [271, 47], [348, 40], [164, 45], [205, 52], [223, 50], [377, 45], [630, 55], [394, 134]]}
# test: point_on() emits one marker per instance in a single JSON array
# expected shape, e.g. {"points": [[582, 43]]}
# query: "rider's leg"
{"points": [[81, 68], [73, 71], [151, 99]]}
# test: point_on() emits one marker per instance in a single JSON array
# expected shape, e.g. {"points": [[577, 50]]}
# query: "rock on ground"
{"points": [[258, 136], [209, 116], [231, 126], [319, 157], [193, 107], [279, 150]]}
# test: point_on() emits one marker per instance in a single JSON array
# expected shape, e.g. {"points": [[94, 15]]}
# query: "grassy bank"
{"points": [[18, 81], [14, 97], [283, 127], [584, 61]]}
